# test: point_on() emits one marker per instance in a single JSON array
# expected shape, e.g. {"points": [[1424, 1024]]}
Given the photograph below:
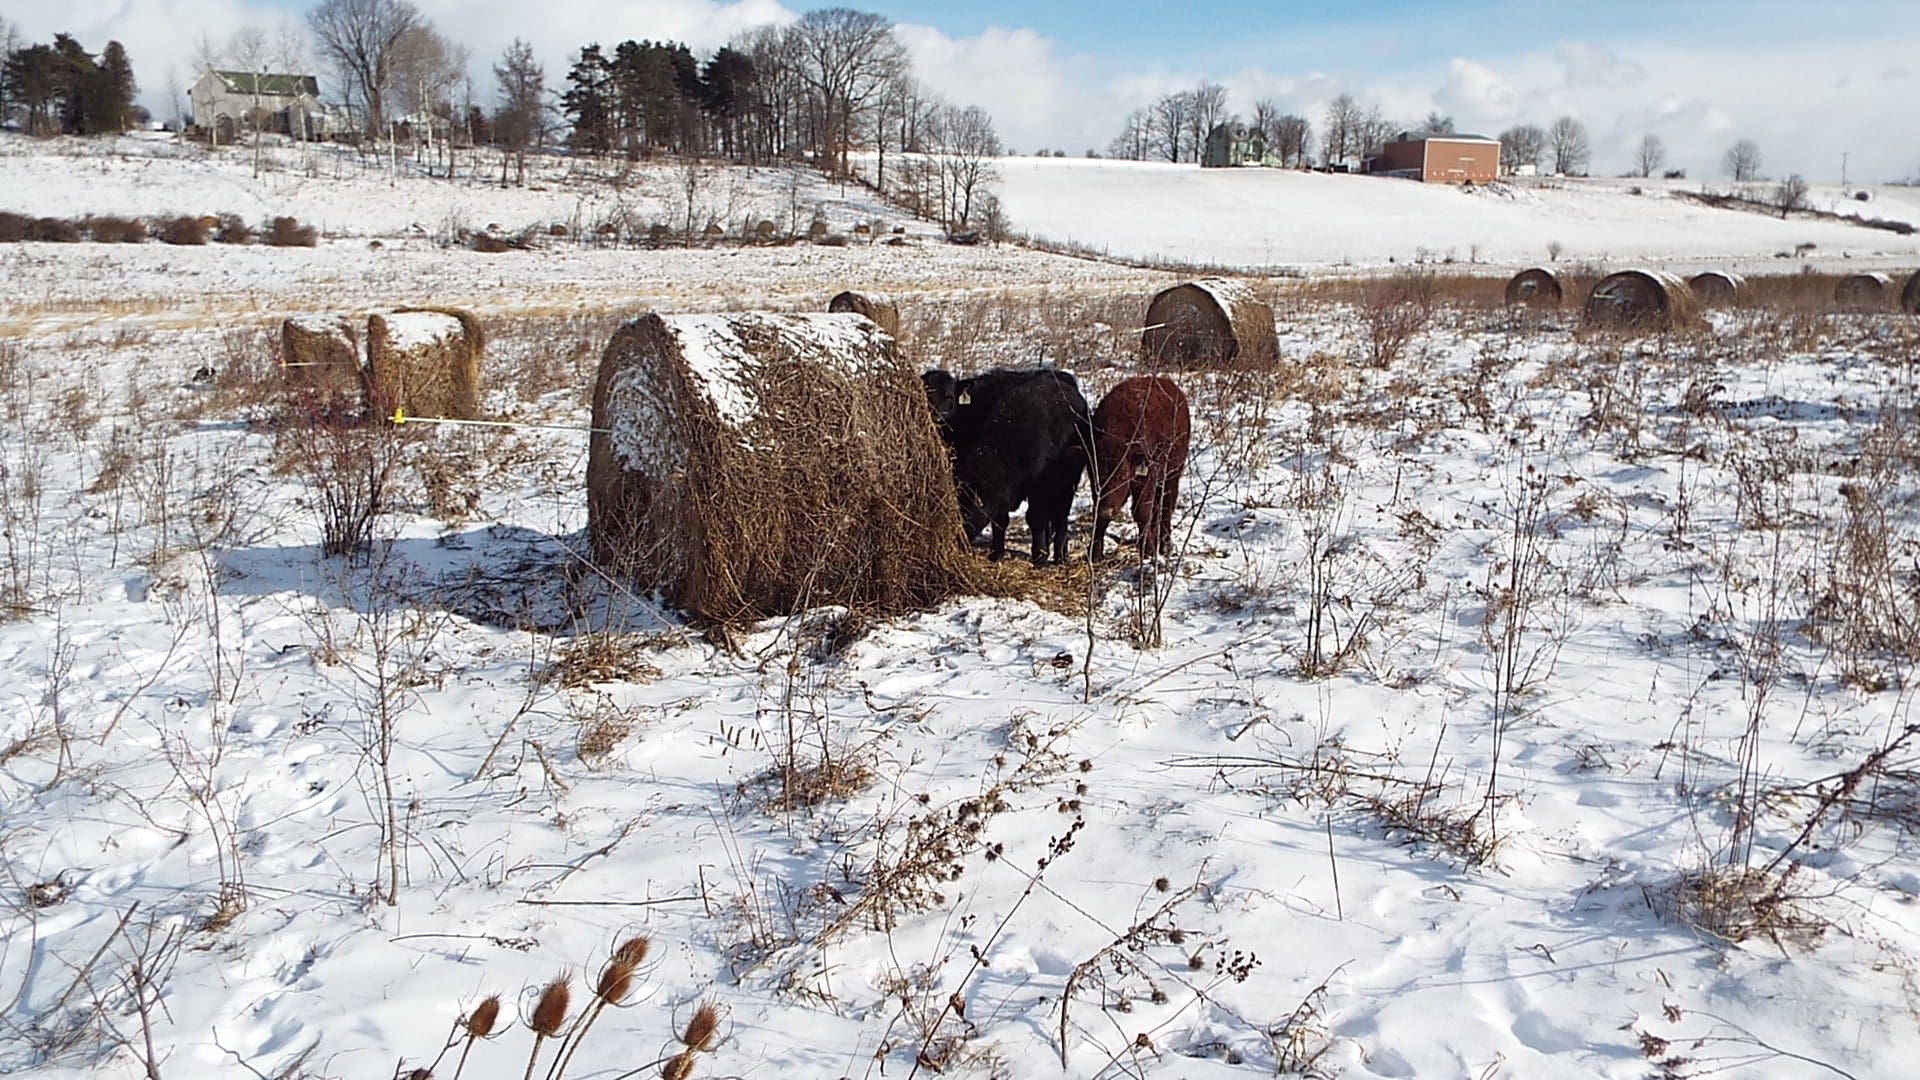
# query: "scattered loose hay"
{"points": [[1862, 292], [1910, 296], [1211, 322], [881, 309], [1537, 287], [425, 362], [321, 353], [754, 465], [1641, 301], [1717, 288]]}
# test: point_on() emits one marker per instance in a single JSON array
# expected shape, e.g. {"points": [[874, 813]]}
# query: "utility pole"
{"points": [[1843, 168]]}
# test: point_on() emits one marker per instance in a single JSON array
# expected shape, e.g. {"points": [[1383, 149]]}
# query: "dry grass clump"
{"points": [[288, 232], [14, 228], [734, 466], [51, 230], [425, 362], [1210, 322], [183, 230], [233, 229], [1738, 904], [110, 229], [1394, 312], [601, 658]]}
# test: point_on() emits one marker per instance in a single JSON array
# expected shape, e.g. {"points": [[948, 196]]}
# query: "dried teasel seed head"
{"points": [[633, 951], [484, 1016], [1161, 884], [616, 980], [678, 1068], [702, 1028], [550, 1013]]}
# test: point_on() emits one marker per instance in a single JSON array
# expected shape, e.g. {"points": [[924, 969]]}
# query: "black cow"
{"points": [[1017, 436]]}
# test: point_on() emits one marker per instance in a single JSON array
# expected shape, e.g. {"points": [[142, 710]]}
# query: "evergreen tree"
{"points": [[33, 83], [588, 102], [116, 89], [727, 85], [78, 85]]}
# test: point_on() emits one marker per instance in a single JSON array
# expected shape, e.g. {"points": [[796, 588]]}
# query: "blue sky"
{"points": [[1808, 81]]}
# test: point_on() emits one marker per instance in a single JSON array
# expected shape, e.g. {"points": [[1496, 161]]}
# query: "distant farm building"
{"points": [[1437, 158], [227, 103], [1232, 146]]}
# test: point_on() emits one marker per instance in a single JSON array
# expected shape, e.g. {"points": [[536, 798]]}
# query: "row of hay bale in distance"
{"points": [[422, 362], [1655, 299], [753, 464]]}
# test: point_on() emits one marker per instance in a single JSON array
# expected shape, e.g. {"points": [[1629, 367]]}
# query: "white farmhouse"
{"points": [[227, 103]]}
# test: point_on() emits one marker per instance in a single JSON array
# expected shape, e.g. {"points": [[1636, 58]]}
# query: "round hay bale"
{"points": [[876, 306], [1209, 322], [1537, 287], [321, 353], [754, 465], [1641, 301], [1910, 296], [1717, 288], [425, 362], [1862, 292]]}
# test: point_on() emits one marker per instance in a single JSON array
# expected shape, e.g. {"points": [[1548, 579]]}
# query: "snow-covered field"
{"points": [[1274, 218], [1533, 705]]}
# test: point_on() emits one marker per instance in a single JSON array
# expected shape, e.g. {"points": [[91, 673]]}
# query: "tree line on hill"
{"points": [[1175, 127], [60, 88]]}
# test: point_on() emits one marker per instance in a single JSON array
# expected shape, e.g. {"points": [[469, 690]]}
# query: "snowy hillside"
{"points": [[1520, 701], [1267, 218]]}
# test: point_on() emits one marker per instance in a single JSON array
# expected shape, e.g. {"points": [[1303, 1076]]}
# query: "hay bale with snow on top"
{"points": [[1910, 296], [1862, 292], [1717, 288], [425, 362], [1641, 302], [881, 309], [321, 354], [1536, 287], [754, 465], [1211, 322]]}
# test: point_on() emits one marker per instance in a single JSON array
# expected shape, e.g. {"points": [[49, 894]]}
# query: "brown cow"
{"points": [[1140, 436]]}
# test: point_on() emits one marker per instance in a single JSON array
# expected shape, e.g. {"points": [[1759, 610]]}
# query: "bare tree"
{"points": [[965, 146], [1208, 109], [1436, 124], [847, 59], [1567, 139], [520, 118], [360, 37], [1170, 117], [1742, 161], [1266, 115], [1790, 194], [1372, 132], [248, 50], [1522, 144], [1292, 139], [1651, 156], [1135, 141], [1339, 132]]}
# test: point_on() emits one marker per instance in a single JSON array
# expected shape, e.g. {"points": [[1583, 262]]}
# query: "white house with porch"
{"points": [[229, 103]]}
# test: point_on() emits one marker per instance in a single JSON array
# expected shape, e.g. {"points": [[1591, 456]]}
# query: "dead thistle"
{"points": [[549, 1016]]}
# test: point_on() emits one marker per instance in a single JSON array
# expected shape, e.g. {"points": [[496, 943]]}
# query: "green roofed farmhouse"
{"points": [[227, 103]]}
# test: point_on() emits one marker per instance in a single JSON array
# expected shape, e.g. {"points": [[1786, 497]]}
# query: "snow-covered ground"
{"points": [[1275, 218], [1598, 622]]}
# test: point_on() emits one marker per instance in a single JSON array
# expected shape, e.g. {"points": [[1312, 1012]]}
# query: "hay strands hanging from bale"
{"points": [[1535, 287], [1209, 322], [1862, 292], [755, 465], [1717, 288], [1640, 302], [876, 306], [425, 362], [321, 354]]}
